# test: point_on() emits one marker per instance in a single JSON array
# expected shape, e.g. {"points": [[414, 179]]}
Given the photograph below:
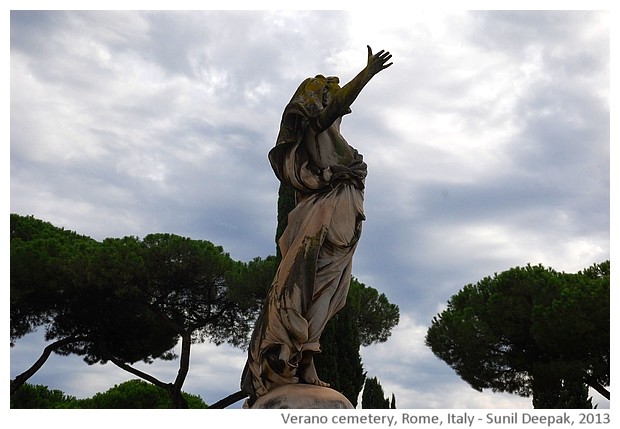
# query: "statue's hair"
{"points": [[306, 104]]}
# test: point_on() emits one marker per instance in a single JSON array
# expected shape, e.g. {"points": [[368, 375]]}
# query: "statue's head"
{"points": [[315, 93], [332, 85], [310, 98]]}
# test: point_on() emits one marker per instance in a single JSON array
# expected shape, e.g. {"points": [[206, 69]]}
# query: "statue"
{"points": [[317, 246]]}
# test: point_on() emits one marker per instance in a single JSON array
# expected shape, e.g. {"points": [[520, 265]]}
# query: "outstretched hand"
{"points": [[377, 62], [340, 100]]}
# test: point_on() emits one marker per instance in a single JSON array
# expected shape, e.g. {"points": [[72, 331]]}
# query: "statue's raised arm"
{"points": [[341, 99]]}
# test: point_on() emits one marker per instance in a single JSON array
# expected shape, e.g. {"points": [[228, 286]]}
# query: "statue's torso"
{"points": [[328, 147]]}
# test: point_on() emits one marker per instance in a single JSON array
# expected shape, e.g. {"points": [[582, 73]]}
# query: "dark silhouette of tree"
{"points": [[366, 319], [125, 300], [530, 331], [181, 285], [286, 203], [91, 304], [376, 316], [373, 396], [132, 394], [128, 300], [31, 396], [340, 362], [41, 255], [567, 394]]}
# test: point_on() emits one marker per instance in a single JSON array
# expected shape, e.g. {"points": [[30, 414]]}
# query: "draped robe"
{"points": [[317, 246]]}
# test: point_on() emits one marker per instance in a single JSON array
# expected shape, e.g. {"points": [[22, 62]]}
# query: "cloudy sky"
{"points": [[487, 141]]}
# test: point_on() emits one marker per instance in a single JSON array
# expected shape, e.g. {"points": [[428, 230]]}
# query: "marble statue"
{"points": [[317, 246]]}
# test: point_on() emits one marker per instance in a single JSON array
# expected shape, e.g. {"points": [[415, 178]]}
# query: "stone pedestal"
{"points": [[302, 396]]}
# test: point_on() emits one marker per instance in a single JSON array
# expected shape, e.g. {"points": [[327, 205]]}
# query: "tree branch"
{"points": [[47, 351], [186, 342], [140, 374], [229, 400], [594, 383]]}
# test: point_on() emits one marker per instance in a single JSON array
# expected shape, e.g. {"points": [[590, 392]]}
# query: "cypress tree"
{"points": [[340, 362], [286, 203], [373, 396]]}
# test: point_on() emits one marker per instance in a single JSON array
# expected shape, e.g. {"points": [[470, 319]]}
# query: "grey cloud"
{"points": [[513, 31]]}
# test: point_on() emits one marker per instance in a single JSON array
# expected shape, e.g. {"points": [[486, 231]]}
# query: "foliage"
{"points": [[187, 286], [248, 286], [135, 394], [105, 305], [376, 316], [530, 331], [366, 318], [286, 203], [347, 341], [373, 396], [340, 362], [39, 396], [42, 257], [132, 394], [124, 300], [39, 263], [568, 394]]}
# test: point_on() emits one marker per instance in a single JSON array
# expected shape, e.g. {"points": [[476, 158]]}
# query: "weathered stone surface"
{"points": [[312, 281], [302, 396]]}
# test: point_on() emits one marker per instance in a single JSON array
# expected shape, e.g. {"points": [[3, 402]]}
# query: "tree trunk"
{"points": [[47, 351], [593, 383], [173, 389], [229, 400], [177, 397], [545, 389]]}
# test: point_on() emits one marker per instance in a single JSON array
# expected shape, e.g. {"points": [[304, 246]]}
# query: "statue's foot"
{"points": [[320, 383], [309, 375]]}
